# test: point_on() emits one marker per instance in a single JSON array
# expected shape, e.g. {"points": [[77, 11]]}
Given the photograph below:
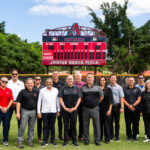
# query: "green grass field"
{"points": [[123, 145]]}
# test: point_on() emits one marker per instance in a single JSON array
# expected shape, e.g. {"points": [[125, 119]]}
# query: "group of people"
{"points": [[65, 101]]}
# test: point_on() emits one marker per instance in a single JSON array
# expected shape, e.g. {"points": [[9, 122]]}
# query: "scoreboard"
{"points": [[75, 45]]}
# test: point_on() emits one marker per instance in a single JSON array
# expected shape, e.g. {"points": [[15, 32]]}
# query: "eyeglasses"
{"points": [[14, 74], [3, 81], [37, 79], [141, 78]]}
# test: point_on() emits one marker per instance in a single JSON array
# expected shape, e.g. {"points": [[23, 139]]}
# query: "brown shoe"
{"points": [[20, 145], [40, 140], [30, 144]]}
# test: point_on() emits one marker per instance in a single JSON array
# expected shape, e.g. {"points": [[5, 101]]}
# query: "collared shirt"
{"points": [[41, 86], [70, 95], [80, 84], [117, 93], [131, 94], [28, 99], [145, 102], [48, 101], [16, 87], [142, 87], [91, 95], [5, 96], [58, 84]]}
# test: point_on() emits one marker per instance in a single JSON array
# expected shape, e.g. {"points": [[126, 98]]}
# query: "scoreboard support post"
{"points": [[71, 69], [47, 69], [95, 73]]}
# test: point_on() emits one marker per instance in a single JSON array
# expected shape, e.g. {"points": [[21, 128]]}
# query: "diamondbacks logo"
{"points": [[74, 30]]}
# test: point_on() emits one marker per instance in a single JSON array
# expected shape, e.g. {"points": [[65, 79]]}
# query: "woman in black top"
{"points": [[105, 110], [145, 103]]}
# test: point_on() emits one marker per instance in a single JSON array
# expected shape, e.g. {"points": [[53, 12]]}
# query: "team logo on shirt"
{"points": [[134, 91], [75, 91], [35, 94]]}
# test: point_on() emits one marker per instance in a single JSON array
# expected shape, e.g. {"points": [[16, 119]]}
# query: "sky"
{"points": [[29, 18]]}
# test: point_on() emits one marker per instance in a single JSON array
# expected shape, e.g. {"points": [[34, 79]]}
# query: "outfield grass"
{"points": [[123, 145]]}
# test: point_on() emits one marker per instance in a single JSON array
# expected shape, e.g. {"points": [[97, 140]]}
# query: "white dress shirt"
{"points": [[16, 87], [48, 101]]}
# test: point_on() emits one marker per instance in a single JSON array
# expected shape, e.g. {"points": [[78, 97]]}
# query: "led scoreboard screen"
{"points": [[76, 45]]}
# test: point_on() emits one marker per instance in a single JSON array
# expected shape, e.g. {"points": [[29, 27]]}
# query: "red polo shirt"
{"points": [[5, 96]]}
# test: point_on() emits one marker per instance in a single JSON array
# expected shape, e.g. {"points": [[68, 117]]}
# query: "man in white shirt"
{"points": [[16, 86], [48, 107]]}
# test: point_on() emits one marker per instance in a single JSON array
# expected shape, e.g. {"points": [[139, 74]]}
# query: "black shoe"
{"points": [[117, 139], [80, 139], [75, 144], [111, 139], [128, 139], [106, 142], [44, 144], [135, 139], [65, 144], [86, 143], [20, 145], [97, 143], [54, 143], [60, 138]]}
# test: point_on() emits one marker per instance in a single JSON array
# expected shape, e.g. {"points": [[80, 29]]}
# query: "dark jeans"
{"points": [[70, 119], [147, 124], [11, 113], [131, 119], [94, 114], [39, 127], [59, 119], [104, 125], [115, 115], [48, 124], [5, 117]]}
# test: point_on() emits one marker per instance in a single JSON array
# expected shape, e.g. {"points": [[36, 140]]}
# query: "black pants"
{"points": [[11, 113], [39, 127], [131, 120], [104, 125], [80, 109], [144, 119], [70, 119], [59, 119], [115, 116], [147, 123], [48, 124]]}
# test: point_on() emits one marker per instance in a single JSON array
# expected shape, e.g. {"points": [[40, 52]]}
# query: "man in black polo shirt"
{"points": [[58, 84], [132, 110], [92, 95], [27, 103], [70, 98]]}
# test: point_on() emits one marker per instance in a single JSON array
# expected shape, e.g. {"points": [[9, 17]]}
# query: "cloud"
{"points": [[77, 8]]}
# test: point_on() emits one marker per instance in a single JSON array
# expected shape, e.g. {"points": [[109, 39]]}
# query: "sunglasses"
{"points": [[3, 81], [141, 78], [37, 79], [14, 74]]}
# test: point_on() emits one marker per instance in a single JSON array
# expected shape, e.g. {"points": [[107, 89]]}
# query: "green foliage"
{"points": [[128, 48], [2, 27]]}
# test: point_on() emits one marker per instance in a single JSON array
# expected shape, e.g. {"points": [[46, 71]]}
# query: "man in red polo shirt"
{"points": [[6, 100]]}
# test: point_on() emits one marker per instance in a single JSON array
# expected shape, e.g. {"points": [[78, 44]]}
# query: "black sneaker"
{"points": [[128, 139], [86, 143], [75, 144], [111, 139], [5, 143], [20, 145], [135, 140], [117, 139], [65, 144], [44, 144], [54, 143], [97, 143]]}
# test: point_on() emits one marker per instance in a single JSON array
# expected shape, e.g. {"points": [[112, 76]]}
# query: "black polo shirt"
{"points": [[28, 99], [91, 95], [58, 84], [145, 102], [41, 86], [70, 95], [108, 99], [131, 94]]}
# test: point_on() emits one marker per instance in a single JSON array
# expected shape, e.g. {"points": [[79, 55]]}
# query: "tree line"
{"points": [[128, 48]]}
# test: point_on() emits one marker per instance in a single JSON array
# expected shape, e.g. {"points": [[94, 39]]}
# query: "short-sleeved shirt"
{"points": [[70, 95], [5, 96], [28, 99], [145, 102], [117, 93], [58, 84], [80, 84], [41, 86], [91, 95], [108, 99], [131, 94], [142, 87]]}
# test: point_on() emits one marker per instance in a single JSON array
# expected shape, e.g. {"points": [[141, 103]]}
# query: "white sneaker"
{"points": [[147, 140], [137, 136], [5, 143], [145, 136]]}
